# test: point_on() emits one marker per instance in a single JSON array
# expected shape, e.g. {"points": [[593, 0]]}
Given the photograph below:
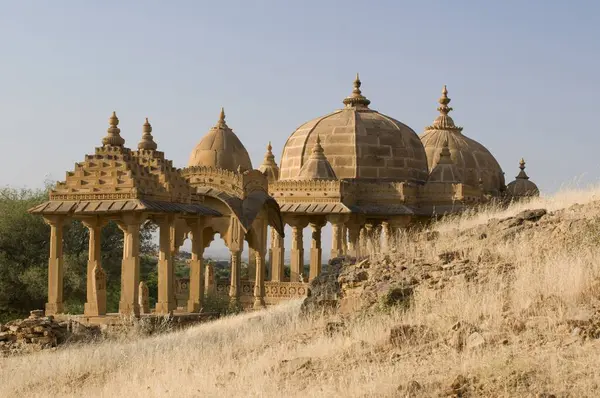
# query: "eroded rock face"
{"points": [[40, 332]]}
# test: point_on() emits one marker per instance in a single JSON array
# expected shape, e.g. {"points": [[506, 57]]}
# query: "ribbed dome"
{"points": [[359, 143], [522, 186], [472, 159], [221, 148]]}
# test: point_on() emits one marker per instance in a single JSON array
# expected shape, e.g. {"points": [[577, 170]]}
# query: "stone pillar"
{"points": [[344, 240], [369, 239], [234, 286], [259, 281], [144, 298], [277, 256], [130, 266], [55, 265], [353, 240], [96, 277], [166, 293], [386, 236], [362, 242], [196, 286], [297, 253], [209, 279], [315, 251], [251, 263], [336, 237]]}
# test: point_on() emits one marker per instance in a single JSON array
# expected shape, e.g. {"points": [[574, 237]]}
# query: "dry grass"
{"points": [[277, 352]]}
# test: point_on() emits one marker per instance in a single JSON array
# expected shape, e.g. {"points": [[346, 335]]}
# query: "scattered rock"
{"points": [[475, 340], [333, 328], [400, 295], [459, 333], [402, 335], [531, 215]]}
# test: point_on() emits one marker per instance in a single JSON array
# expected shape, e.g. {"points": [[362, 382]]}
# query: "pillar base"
{"points": [[129, 309], [90, 309], [234, 304], [54, 308], [194, 306], [163, 308], [259, 303]]}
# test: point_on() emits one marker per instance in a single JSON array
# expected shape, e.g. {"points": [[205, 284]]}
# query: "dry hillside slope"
{"points": [[498, 304]]}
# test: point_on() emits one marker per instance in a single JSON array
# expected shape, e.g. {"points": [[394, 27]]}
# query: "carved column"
{"points": [[315, 251], [209, 279], [277, 256], [344, 240], [96, 277], [297, 252], [130, 266], [336, 236], [234, 286], [354, 240], [259, 281], [55, 265], [166, 297], [196, 286], [251, 263], [386, 236]]}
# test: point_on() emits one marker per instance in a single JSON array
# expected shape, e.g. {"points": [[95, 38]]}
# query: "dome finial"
{"points": [[269, 148], [356, 99], [445, 157], [222, 115], [444, 109], [147, 142], [443, 121], [113, 136], [522, 175]]}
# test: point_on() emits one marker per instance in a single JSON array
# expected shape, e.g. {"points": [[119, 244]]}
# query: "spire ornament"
{"points": [[113, 136], [221, 122], [443, 121], [522, 175], [356, 99], [147, 142], [269, 167]]}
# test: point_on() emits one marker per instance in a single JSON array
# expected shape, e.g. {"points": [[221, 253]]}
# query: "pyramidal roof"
{"points": [[116, 172], [317, 167]]}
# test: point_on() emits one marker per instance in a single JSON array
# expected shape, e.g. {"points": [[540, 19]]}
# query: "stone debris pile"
{"points": [[39, 332]]}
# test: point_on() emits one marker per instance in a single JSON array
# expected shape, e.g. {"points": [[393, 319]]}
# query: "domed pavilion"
{"points": [[365, 173]]}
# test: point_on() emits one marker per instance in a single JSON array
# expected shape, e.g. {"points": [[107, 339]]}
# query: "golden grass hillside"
{"points": [[515, 312]]}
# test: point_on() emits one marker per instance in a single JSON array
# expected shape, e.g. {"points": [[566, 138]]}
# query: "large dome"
{"points": [[475, 163], [359, 143], [221, 148]]}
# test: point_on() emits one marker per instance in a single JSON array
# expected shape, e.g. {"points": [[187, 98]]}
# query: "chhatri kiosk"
{"points": [[365, 173]]}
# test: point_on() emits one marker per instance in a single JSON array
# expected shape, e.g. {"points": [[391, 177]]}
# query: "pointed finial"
{"points": [[222, 115], [147, 142], [318, 150], [444, 109], [269, 147], [445, 156], [522, 175], [356, 99], [113, 136], [443, 121]]}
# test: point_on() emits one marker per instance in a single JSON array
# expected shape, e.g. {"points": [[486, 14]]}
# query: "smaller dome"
{"points": [[445, 170], [317, 167], [522, 186], [269, 167], [221, 148]]}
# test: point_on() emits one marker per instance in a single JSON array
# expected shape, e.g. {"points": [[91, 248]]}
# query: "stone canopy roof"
{"points": [[221, 148], [473, 160], [522, 186], [317, 167], [359, 143]]}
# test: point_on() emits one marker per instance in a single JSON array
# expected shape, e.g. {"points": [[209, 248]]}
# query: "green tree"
{"points": [[24, 248]]}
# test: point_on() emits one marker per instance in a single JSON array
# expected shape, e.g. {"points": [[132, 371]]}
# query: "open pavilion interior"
{"points": [[366, 174]]}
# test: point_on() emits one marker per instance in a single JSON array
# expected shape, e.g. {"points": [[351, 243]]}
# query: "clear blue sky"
{"points": [[523, 75]]}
